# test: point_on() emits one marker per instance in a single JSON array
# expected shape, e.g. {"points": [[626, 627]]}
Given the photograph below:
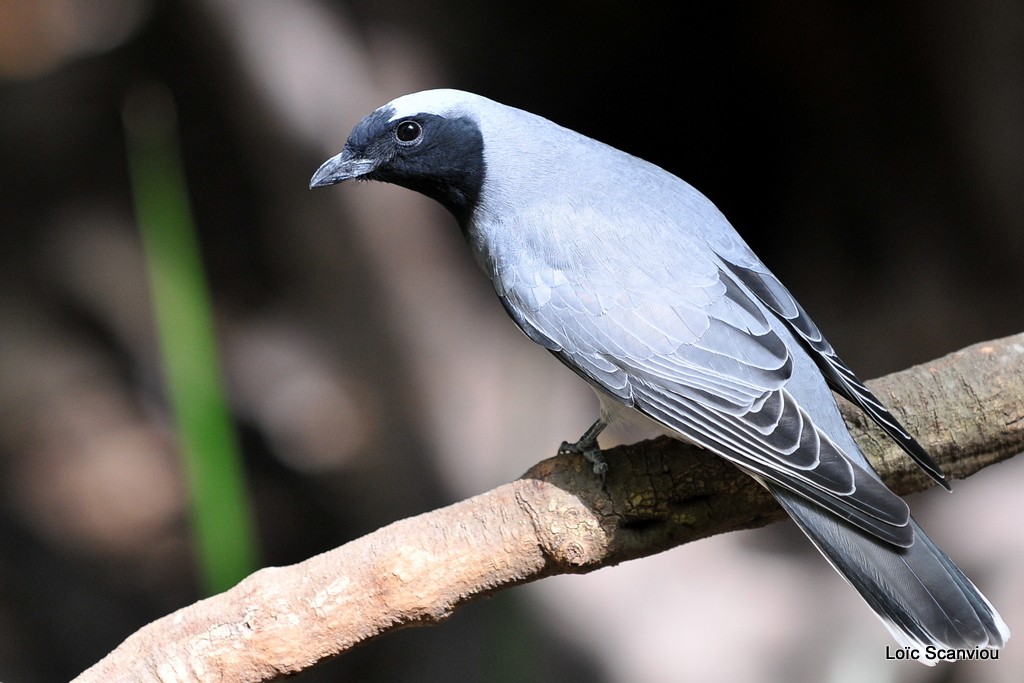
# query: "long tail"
{"points": [[917, 592]]}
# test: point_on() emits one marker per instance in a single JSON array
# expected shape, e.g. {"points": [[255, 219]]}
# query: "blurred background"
{"points": [[870, 154]]}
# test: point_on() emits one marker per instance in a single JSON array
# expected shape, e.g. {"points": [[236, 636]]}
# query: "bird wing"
{"points": [[839, 376], [692, 348]]}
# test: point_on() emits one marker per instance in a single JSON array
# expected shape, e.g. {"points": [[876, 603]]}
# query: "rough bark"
{"points": [[967, 409]]}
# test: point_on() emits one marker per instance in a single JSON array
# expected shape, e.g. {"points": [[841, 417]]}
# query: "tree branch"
{"points": [[967, 408]]}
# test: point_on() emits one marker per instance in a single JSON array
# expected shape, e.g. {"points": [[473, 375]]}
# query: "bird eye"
{"points": [[408, 131]]}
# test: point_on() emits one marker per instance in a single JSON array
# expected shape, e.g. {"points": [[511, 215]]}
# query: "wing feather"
{"points": [[705, 362], [839, 376]]}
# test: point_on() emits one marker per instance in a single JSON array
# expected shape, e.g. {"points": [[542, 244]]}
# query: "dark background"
{"points": [[870, 154]]}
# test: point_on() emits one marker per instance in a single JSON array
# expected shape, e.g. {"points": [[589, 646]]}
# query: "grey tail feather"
{"points": [[917, 592]]}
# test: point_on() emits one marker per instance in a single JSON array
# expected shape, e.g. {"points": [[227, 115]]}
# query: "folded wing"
{"points": [[705, 361]]}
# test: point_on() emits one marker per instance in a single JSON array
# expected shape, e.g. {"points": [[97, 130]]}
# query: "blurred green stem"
{"points": [[221, 519]]}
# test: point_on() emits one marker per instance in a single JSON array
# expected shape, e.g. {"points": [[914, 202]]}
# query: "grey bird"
{"points": [[637, 282]]}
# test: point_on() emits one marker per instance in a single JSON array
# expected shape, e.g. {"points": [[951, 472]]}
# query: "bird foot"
{"points": [[588, 448]]}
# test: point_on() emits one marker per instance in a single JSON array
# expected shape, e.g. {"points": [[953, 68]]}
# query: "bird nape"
{"points": [[635, 280]]}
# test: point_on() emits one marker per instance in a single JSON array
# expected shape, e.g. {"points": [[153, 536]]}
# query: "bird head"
{"points": [[430, 142]]}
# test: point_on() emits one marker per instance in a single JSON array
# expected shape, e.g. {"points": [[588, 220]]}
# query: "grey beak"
{"points": [[344, 166]]}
